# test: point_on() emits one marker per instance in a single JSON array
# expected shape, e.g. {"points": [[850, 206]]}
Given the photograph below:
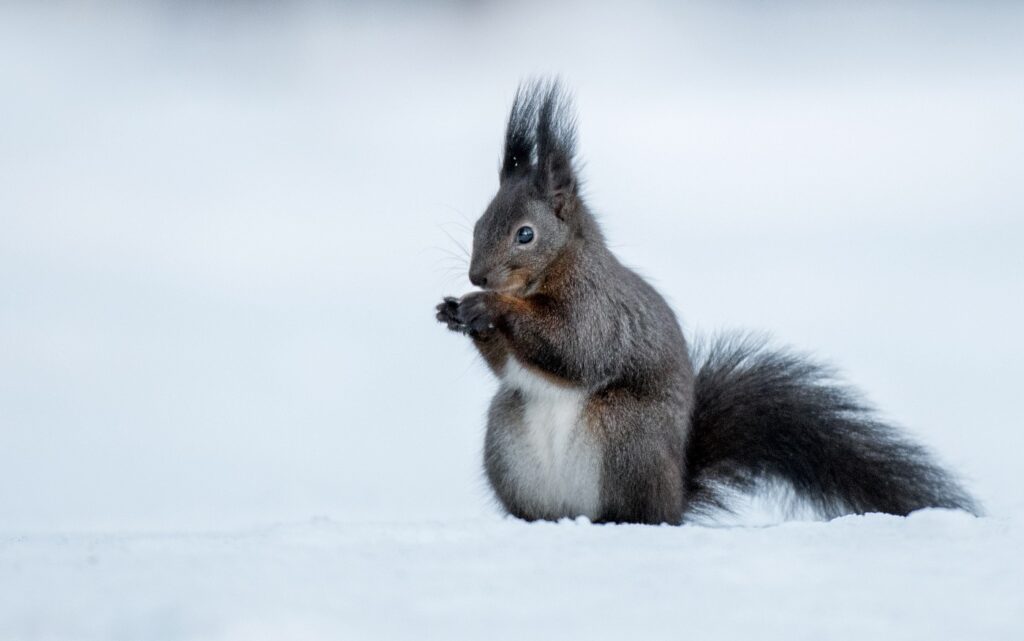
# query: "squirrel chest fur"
{"points": [[538, 437]]}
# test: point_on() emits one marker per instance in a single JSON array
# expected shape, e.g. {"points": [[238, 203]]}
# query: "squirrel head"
{"points": [[537, 212]]}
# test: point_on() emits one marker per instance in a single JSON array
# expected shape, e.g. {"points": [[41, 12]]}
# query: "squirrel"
{"points": [[603, 410]]}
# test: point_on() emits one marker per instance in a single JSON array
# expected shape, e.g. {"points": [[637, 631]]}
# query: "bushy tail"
{"points": [[764, 415]]}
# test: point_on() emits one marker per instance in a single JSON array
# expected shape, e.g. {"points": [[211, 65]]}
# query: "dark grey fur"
{"points": [[571, 332]]}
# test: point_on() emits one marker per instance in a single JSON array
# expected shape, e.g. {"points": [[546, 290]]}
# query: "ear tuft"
{"points": [[520, 136], [541, 139], [556, 148]]}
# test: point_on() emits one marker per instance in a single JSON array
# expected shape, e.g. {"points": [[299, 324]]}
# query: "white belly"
{"points": [[555, 461]]}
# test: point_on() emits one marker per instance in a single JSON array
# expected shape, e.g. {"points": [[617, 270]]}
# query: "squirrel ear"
{"points": [[556, 144], [541, 128], [556, 180]]}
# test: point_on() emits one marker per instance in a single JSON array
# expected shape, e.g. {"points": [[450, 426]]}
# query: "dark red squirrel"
{"points": [[604, 411]]}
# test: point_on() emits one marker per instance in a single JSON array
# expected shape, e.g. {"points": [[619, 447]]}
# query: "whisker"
{"points": [[459, 212], [467, 227], [457, 243], [452, 255]]}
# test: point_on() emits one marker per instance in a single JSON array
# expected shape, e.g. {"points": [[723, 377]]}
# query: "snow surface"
{"points": [[934, 575], [223, 229]]}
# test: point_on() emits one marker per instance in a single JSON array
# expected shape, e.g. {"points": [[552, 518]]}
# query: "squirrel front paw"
{"points": [[477, 313], [473, 315], [448, 313]]}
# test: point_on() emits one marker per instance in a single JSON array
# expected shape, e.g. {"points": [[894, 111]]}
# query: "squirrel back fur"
{"points": [[600, 411]]}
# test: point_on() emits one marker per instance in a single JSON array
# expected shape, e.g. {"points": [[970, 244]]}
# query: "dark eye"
{"points": [[524, 235]]}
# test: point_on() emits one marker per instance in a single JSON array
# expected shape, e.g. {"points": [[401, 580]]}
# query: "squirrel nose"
{"points": [[478, 278]]}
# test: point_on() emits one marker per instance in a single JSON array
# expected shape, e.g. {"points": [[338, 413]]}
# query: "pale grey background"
{"points": [[223, 230]]}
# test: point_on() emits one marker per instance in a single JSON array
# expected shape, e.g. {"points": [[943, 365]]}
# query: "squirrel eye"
{"points": [[524, 235]]}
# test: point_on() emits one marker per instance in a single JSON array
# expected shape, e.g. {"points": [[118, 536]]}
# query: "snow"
{"points": [[223, 230], [934, 575]]}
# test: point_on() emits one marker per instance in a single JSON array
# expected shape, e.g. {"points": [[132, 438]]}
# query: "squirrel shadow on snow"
{"points": [[603, 409]]}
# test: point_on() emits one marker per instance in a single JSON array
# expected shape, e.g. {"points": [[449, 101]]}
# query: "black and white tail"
{"points": [[769, 416]]}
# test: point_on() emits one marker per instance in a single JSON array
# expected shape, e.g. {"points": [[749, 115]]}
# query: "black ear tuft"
{"points": [[520, 136], [556, 147], [541, 140]]}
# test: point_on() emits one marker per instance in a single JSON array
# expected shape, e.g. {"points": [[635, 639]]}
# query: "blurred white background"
{"points": [[223, 230]]}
